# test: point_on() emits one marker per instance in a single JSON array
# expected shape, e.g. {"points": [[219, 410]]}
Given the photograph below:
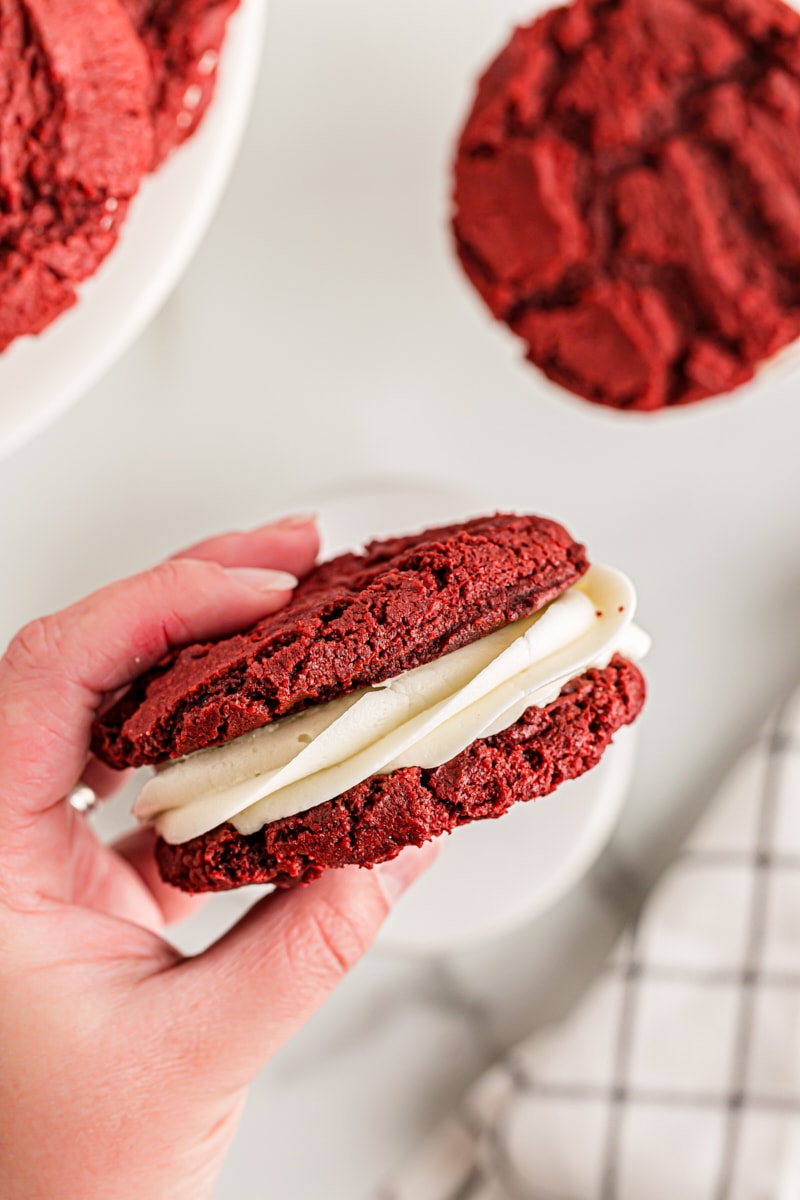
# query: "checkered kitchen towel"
{"points": [[678, 1075]]}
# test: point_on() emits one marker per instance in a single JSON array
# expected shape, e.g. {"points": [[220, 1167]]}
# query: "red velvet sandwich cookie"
{"points": [[429, 681], [627, 194]]}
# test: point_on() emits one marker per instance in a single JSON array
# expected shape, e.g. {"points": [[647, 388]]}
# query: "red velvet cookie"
{"points": [[627, 194], [355, 621], [183, 39], [374, 821], [76, 141]]}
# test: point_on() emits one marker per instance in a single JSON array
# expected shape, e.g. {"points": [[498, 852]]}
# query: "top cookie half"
{"points": [[354, 621]]}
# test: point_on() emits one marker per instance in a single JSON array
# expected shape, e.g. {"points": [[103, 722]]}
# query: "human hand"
{"points": [[123, 1066]]}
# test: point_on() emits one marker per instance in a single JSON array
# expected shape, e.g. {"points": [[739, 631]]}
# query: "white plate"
{"points": [[41, 376]]}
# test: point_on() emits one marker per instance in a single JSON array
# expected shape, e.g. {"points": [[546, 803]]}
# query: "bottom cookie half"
{"points": [[374, 821]]}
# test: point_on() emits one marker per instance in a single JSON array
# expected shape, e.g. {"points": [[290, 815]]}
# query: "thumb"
{"points": [[237, 1004]]}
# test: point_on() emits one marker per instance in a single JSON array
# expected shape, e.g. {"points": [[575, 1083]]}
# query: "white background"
{"points": [[324, 334]]}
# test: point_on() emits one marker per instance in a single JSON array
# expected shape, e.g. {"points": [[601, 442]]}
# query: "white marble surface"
{"points": [[323, 334]]}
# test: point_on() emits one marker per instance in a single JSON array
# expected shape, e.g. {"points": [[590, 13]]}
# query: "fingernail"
{"points": [[399, 873], [296, 521], [263, 581]]}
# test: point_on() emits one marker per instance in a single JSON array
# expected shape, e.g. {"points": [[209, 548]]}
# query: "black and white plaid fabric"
{"points": [[678, 1075]]}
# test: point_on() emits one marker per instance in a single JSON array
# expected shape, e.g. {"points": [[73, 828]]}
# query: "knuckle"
{"points": [[34, 647], [169, 580], [332, 942], [169, 575]]}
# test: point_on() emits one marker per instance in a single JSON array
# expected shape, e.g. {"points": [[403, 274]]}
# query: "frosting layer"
{"points": [[423, 718]]}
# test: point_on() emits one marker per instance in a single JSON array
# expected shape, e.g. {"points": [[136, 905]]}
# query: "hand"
{"points": [[123, 1066]]}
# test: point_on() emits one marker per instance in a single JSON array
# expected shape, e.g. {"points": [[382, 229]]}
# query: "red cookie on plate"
{"points": [[429, 681], [627, 194]]}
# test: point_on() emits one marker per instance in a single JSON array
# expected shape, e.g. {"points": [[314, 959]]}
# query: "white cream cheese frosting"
{"points": [[422, 718]]}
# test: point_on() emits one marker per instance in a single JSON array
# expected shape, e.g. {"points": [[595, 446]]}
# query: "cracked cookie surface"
{"points": [[354, 621], [76, 141], [183, 39]]}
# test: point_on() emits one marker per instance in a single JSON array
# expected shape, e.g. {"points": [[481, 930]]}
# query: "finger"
{"points": [[56, 671], [274, 969], [137, 850], [101, 879], [289, 545], [104, 781]]}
